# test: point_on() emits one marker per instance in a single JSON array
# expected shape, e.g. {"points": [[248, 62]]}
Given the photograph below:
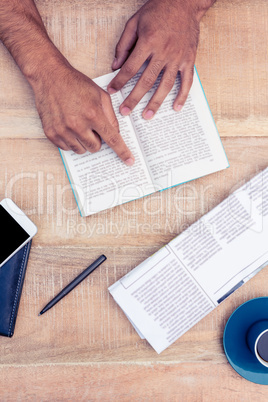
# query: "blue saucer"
{"points": [[235, 343]]}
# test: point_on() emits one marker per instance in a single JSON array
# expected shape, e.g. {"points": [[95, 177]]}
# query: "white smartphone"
{"points": [[16, 229]]}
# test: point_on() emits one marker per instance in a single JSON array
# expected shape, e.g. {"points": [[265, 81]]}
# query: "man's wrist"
{"points": [[43, 60]]}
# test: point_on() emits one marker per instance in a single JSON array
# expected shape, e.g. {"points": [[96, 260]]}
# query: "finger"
{"points": [[55, 139], [165, 86], [139, 55], [145, 83], [90, 140], [114, 140], [73, 143], [61, 144], [186, 82], [80, 128], [125, 44]]}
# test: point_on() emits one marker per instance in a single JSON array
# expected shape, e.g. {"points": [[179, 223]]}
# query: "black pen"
{"points": [[74, 283]]}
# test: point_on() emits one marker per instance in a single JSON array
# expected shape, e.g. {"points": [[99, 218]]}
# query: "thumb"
{"points": [[126, 42]]}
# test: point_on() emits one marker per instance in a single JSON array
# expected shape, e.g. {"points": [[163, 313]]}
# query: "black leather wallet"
{"points": [[11, 282]]}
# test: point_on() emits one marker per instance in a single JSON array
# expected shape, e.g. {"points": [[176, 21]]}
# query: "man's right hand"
{"points": [[76, 113]]}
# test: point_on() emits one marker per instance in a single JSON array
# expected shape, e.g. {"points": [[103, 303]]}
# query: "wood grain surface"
{"points": [[85, 348]]}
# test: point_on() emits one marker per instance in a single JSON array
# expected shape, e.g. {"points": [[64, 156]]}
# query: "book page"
{"points": [[101, 180], [161, 299], [230, 242], [178, 146]]}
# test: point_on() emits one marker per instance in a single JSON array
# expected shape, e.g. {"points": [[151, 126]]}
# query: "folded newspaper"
{"points": [[172, 290]]}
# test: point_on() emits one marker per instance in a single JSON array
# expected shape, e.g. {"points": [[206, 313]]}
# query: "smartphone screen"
{"points": [[12, 235]]}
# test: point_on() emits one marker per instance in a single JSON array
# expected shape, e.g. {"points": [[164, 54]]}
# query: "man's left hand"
{"points": [[166, 33]]}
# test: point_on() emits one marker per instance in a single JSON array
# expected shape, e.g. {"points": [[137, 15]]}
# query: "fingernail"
{"points": [[129, 162], [111, 90], [178, 107], [114, 64], [149, 114], [125, 111]]}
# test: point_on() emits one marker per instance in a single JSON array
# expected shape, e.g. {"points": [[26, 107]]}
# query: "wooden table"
{"points": [[85, 348]]}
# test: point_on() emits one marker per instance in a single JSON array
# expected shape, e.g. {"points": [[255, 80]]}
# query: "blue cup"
{"points": [[257, 339]]}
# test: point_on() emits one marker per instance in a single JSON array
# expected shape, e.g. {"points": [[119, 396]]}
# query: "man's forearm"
{"points": [[74, 111], [23, 33]]}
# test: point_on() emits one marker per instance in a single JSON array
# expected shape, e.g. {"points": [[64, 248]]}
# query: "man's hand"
{"points": [[75, 112], [166, 33]]}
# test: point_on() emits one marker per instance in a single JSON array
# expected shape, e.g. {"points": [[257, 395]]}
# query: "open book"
{"points": [[171, 291], [172, 148]]}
